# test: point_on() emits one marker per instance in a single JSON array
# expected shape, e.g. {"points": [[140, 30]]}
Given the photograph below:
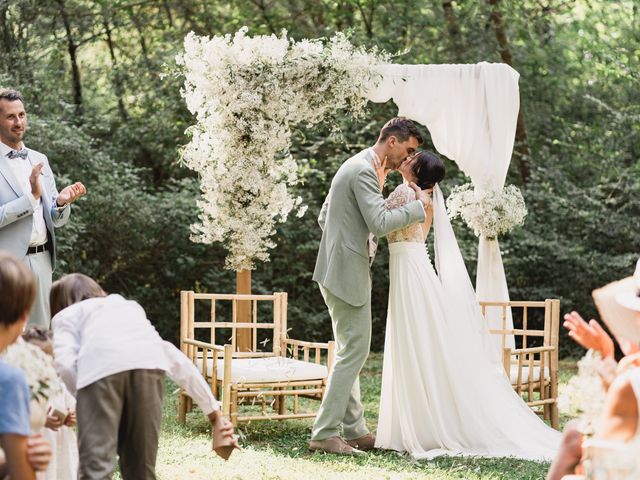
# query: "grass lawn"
{"points": [[278, 449]]}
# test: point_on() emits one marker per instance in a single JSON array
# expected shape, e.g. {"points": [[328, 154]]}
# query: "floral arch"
{"points": [[248, 93]]}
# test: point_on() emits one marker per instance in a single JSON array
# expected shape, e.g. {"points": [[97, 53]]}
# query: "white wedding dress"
{"points": [[444, 390]]}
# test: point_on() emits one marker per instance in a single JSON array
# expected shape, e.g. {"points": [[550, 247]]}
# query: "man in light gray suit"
{"points": [[353, 210], [30, 205]]}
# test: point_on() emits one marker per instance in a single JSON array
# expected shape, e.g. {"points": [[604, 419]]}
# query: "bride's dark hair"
{"points": [[429, 168]]}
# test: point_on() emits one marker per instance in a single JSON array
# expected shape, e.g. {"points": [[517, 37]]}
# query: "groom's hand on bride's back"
{"points": [[422, 195]]}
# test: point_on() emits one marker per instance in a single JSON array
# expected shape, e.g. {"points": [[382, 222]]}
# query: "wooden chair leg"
{"points": [[547, 408], [226, 380], [233, 407], [282, 404], [182, 408], [555, 415], [189, 404]]}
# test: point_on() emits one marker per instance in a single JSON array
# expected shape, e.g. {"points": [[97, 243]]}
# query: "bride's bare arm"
{"points": [[426, 225]]}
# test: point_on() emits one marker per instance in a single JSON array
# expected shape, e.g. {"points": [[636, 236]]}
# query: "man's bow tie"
{"points": [[18, 153]]}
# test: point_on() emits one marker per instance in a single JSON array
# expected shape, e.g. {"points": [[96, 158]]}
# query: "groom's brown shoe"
{"points": [[333, 445], [365, 443]]}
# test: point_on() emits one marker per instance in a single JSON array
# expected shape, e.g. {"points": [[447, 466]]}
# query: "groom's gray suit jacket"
{"points": [[16, 212], [353, 208]]}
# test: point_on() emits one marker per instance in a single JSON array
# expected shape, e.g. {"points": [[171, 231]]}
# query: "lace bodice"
{"points": [[402, 195]]}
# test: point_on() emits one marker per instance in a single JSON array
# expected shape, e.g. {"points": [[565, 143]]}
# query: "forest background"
{"points": [[104, 104]]}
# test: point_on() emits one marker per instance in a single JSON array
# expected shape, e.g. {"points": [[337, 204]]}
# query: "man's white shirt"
{"points": [[103, 336]]}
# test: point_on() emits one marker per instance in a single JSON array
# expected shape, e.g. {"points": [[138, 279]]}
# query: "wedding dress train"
{"points": [[444, 390]]}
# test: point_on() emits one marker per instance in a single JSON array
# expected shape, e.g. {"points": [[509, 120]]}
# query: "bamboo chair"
{"points": [[532, 367], [287, 369]]}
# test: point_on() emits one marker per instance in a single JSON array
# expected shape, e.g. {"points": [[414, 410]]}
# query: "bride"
{"points": [[443, 390]]}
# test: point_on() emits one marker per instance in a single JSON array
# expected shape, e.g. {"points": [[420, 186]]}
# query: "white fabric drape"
{"points": [[471, 113]]}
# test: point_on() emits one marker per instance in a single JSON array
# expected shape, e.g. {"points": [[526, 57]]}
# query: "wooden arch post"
{"points": [[243, 286]]}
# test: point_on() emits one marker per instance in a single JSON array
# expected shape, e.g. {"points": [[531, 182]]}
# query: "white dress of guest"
{"points": [[444, 389], [64, 445], [614, 459]]}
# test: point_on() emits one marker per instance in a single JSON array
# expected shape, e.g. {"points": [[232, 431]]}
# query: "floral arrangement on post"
{"points": [[37, 367], [584, 394], [247, 94], [490, 212]]}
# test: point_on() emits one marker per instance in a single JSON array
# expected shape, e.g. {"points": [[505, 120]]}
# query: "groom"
{"points": [[353, 209]]}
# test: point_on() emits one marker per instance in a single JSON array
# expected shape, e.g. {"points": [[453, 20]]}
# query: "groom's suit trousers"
{"points": [[341, 402]]}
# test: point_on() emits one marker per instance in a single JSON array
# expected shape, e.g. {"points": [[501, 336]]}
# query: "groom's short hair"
{"points": [[402, 128]]}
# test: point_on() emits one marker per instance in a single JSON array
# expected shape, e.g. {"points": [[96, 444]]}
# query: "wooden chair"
{"points": [[284, 368], [532, 366]]}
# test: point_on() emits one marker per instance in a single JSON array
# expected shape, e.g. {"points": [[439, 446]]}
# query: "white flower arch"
{"points": [[247, 93]]}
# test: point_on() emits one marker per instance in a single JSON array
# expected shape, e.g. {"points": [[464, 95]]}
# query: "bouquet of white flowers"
{"points": [[490, 212], [248, 94], [37, 367], [584, 395]]}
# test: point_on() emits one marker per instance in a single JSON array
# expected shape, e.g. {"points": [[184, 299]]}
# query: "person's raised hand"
{"points": [[71, 193], [421, 195], [590, 335], [34, 180]]}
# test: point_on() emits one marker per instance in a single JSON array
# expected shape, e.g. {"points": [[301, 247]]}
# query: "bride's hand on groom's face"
{"points": [[421, 195], [381, 169]]}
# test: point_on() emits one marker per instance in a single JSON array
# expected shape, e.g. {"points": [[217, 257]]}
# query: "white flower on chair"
{"points": [[584, 395]]}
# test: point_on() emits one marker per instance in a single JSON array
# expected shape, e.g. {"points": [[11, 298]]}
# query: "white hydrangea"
{"points": [[584, 395], [247, 94], [37, 367], [490, 212]]}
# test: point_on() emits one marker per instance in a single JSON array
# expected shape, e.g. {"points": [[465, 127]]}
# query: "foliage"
{"points": [[578, 62]]}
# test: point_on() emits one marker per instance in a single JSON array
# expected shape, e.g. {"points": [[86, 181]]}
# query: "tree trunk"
{"points": [[265, 16], [452, 28], [167, 10], [72, 48], [368, 20], [141, 39], [8, 40], [117, 78], [521, 150]]}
